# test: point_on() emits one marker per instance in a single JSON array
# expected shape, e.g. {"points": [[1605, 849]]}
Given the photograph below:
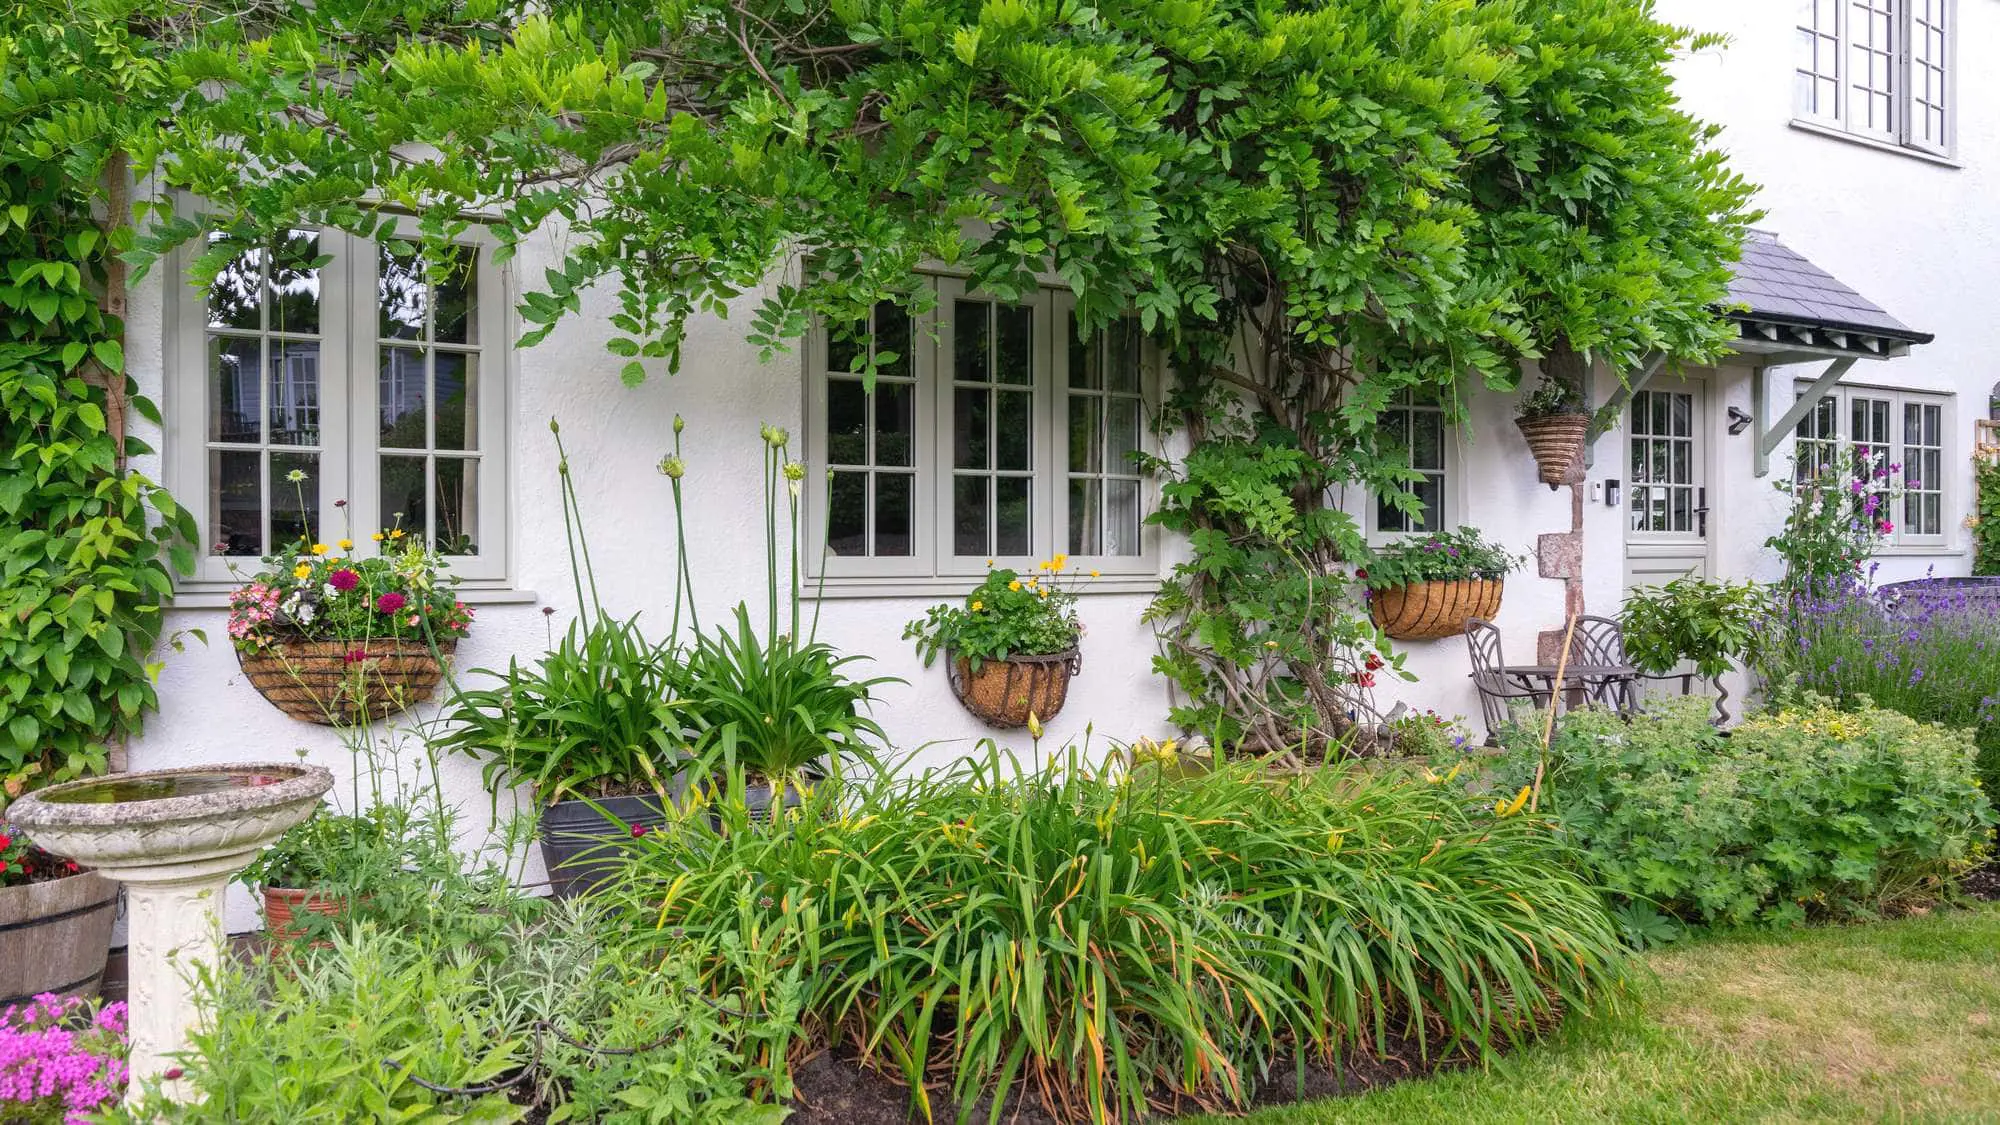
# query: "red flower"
{"points": [[390, 602], [1373, 662], [354, 655], [6, 842], [343, 579], [172, 1073], [1365, 679], [638, 830], [1360, 572]]}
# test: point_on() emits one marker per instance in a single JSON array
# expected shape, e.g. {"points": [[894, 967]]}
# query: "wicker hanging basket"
{"points": [[337, 683], [1426, 611], [1002, 693], [1556, 440]]}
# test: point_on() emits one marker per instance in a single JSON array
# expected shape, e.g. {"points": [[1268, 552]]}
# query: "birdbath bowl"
{"points": [[174, 838]]}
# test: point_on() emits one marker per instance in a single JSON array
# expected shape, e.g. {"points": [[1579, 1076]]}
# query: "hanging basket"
{"points": [[1002, 693], [337, 683], [1556, 440], [1426, 611]]}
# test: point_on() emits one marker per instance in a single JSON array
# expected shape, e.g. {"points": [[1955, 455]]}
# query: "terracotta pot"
{"points": [[283, 905], [1002, 693], [1426, 611], [55, 935], [321, 682], [1556, 441]]}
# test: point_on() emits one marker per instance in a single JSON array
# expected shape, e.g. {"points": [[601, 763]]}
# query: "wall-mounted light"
{"points": [[1611, 494], [1739, 420]]}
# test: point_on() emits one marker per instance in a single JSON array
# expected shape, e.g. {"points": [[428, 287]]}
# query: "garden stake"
{"points": [[1549, 723]]}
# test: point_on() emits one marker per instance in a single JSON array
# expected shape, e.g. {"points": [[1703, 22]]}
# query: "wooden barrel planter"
{"points": [[1427, 611], [336, 683], [1002, 693], [1556, 441], [55, 936]]}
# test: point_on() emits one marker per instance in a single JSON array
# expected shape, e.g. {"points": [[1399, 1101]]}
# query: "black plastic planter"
{"points": [[578, 838]]}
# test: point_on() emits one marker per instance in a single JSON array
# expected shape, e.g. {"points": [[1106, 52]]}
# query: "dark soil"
{"points": [[1984, 883], [834, 1088]]}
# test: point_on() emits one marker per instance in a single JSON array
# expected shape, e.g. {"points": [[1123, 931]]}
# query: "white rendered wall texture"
{"points": [[1917, 237]]}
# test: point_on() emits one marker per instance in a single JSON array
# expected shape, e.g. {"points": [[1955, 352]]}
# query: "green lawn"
{"points": [[1896, 1021]]}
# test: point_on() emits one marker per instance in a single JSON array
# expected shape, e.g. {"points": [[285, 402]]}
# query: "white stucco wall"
{"points": [[1919, 238]]}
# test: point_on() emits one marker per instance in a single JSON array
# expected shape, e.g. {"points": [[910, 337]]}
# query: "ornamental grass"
{"points": [[1104, 940]]}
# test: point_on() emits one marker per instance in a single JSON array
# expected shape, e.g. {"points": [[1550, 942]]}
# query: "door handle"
{"points": [[1701, 513]]}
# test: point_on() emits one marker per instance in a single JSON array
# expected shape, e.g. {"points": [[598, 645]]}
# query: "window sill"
{"points": [[216, 596], [932, 589], [1836, 133], [1920, 550]]}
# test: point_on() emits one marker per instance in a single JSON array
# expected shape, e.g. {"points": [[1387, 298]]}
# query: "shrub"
{"points": [[1933, 655], [1806, 811], [1101, 941], [553, 1022]]}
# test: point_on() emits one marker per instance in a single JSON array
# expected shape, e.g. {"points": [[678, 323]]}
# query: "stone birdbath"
{"points": [[174, 838]]}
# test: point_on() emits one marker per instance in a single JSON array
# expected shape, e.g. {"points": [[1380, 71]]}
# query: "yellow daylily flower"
{"points": [[1504, 807], [1034, 726]]}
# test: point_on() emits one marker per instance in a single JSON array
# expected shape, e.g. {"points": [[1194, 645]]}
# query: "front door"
{"points": [[1666, 505]]}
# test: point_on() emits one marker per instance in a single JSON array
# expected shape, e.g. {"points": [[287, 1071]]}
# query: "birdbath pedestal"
{"points": [[174, 838]]}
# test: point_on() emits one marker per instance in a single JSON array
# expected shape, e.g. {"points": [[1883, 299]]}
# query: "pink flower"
{"points": [[390, 602], [354, 655], [343, 579], [1887, 527]]}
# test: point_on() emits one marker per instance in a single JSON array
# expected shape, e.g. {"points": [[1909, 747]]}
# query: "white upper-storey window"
{"points": [[327, 388], [994, 433], [1879, 69], [1900, 430]]}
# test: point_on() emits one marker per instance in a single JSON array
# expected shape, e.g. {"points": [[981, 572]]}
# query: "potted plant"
{"points": [[334, 639], [1555, 421], [768, 713], [307, 873], [1708, 623], [1010, 646], [593, 727], [1421, 589], [55, 923]]}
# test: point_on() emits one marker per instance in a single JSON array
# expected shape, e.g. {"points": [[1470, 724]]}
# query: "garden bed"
{"points": [[836, 1088]]}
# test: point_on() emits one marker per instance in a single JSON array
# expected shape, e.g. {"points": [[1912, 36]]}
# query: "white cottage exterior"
{"points": [[401, 400]]}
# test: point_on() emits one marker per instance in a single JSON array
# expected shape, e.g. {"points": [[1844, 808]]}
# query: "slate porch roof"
{"points": [[1781, 287]]}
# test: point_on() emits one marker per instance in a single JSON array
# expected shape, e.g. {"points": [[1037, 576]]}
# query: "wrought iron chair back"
{"points": [[1497, 689]]}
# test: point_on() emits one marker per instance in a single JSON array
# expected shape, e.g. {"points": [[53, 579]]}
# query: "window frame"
{"points": [[1449, 483], [932, 568], [1902, 134], [1898, 400], [349, 445]]}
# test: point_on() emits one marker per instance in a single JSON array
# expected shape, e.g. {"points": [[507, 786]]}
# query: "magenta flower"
{"points": [[1887, 527], [390, 602], [343, 579]]}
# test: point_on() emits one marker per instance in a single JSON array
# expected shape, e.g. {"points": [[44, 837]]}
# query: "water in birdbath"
{"points": [[118, 790]]}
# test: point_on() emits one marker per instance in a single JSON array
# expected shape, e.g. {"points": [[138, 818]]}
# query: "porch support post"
{"points": [[1767, 440]]}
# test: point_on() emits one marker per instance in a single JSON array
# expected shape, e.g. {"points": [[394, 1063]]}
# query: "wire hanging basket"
{"points": [[1002, 693]]}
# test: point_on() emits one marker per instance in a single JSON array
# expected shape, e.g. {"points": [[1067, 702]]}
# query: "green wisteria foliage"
{"points": [[1311, 207]]}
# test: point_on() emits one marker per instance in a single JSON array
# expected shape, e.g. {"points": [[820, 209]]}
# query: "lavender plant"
{"points": [[1931, 653]]}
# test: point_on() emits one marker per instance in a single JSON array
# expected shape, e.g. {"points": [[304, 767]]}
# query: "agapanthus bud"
{"points": [[672, 466], [680, 423], [794, 471]]}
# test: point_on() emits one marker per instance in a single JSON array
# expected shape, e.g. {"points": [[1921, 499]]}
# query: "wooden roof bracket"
{"points": [[1768, 439], [1606, 416]]}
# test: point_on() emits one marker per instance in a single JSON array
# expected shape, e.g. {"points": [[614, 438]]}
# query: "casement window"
{"points": [[1902, 429], [993, 432], [326, 387], [1878, 69], [1415, 427]]}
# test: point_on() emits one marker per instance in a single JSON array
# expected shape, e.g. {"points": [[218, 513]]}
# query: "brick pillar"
{"points": [[1559, 555]]}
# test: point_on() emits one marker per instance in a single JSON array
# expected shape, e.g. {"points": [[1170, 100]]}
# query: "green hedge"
{"points": [[1805, 811]]}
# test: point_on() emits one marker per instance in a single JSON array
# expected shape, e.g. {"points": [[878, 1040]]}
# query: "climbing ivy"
{"points": [[85, 543], [1986, 519]]}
